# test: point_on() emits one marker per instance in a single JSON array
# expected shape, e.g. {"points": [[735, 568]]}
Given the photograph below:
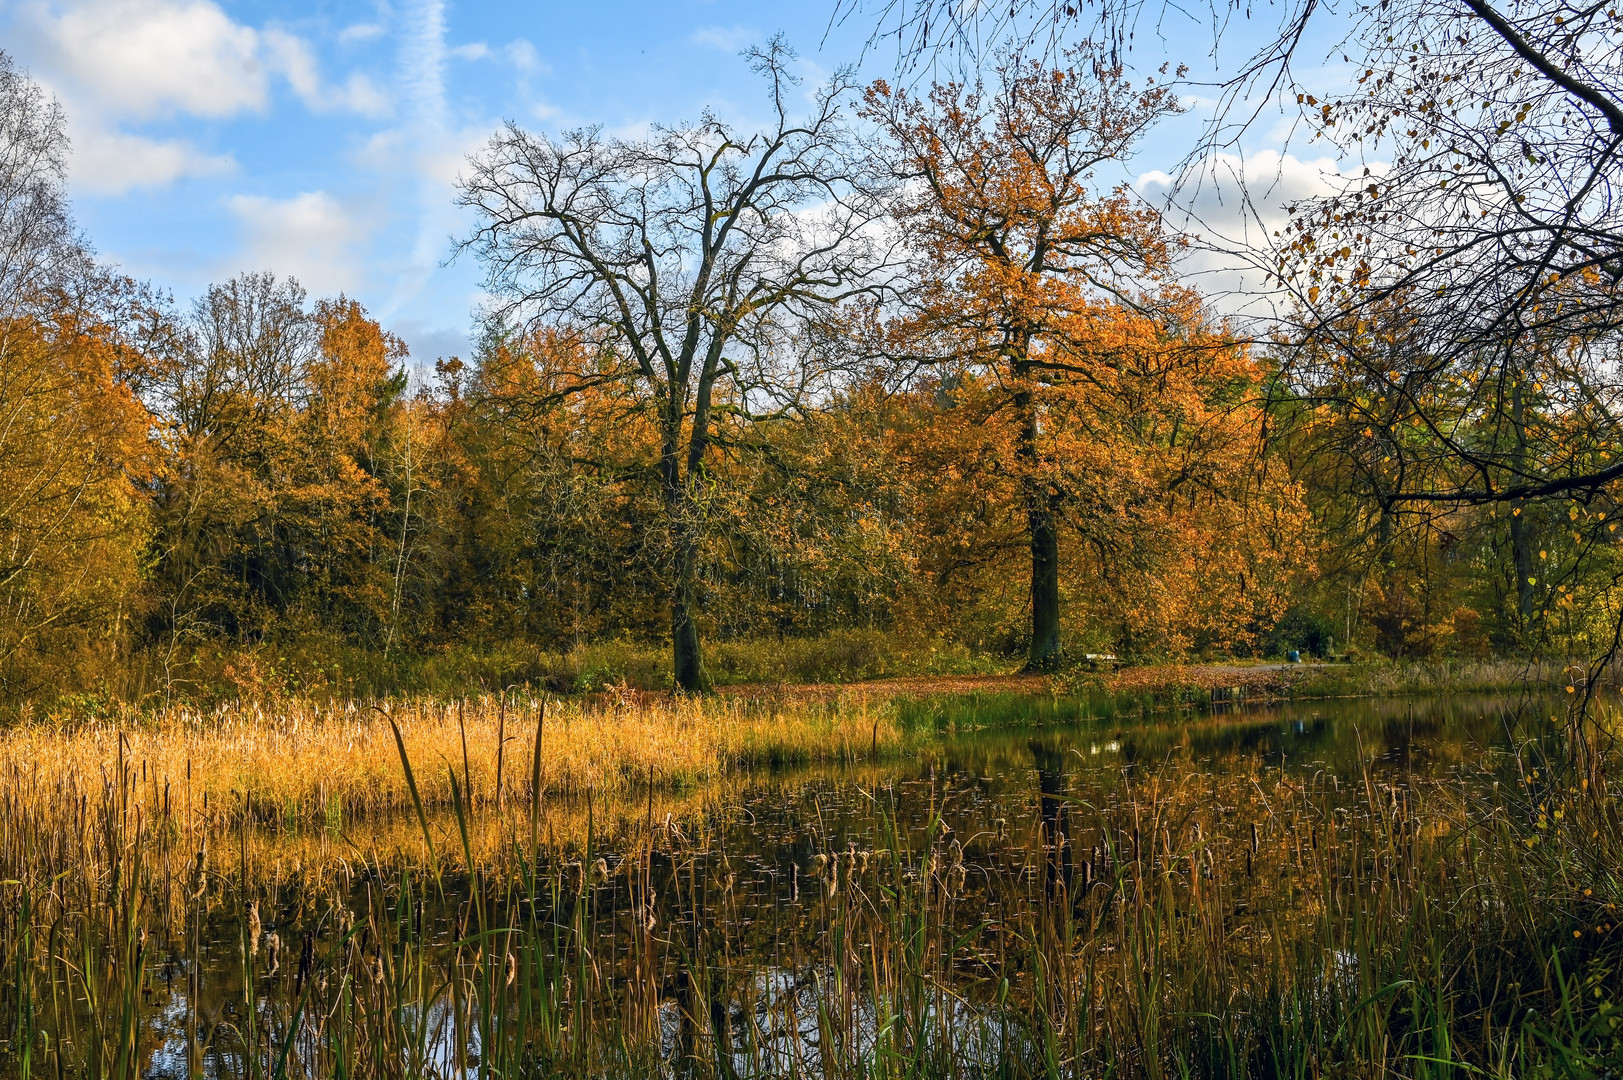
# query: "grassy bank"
{"points": [[1157, 688], [1130, 694], [329, 668], [1424, 677], [316, 669]]}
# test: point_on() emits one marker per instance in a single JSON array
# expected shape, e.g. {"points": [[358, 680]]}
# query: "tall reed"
{"points": [[308, 763], [1224, 919]]}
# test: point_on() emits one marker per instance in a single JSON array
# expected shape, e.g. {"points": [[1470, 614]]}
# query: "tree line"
{"points": [[901, 360]]}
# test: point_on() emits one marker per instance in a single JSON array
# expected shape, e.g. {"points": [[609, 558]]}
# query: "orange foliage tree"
{"points": [[1099, 391], [73, 519], [277, 506], [73, 435]]}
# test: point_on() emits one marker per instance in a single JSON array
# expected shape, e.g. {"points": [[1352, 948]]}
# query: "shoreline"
{"points": [[1176, 685]]}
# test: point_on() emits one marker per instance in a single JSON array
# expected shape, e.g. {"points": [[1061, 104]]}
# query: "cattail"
{"points": [[273, 951], [253, 928]]}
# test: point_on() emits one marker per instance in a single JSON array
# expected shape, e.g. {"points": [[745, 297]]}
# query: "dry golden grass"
{"points": [[305, 761]]}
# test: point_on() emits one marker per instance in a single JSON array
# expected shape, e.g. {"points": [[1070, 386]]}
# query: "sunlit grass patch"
{"points": [[309, 761]]}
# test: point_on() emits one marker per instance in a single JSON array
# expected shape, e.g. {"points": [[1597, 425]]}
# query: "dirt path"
{"points": [[1207, 676], [878, 689], [1128, 680]]}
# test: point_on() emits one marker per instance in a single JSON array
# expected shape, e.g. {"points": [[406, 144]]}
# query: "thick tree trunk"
{"points": [[685, 659], [1044, 579], [1044, 539], [686, 666]]}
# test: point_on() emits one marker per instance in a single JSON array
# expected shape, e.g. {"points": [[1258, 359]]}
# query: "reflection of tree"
{"points": [[1051, 759]]}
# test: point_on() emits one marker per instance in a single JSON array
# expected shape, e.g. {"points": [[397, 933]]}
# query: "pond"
{"points": [[1209, 891]]}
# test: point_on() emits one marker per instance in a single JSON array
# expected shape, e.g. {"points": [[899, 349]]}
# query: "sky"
{"points": [[322, 138]]}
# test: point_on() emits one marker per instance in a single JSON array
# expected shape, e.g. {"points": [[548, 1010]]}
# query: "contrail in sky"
{"points": [[422, 81]]}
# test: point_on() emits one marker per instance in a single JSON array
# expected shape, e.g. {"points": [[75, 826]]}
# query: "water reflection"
{"points": [[732, 933]]}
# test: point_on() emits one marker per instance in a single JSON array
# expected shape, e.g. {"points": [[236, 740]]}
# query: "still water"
{"points": [[759, 928]]}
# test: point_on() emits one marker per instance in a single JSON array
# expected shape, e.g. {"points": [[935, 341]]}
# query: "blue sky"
{"points": [[322, 138]]}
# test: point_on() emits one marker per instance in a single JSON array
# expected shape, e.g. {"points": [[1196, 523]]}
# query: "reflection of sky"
{"points": [[763, 852], [322, 140], [432, 1032]]}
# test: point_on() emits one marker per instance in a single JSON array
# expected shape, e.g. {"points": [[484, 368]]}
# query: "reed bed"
{"points": [[1218, 917], [305, 762]]}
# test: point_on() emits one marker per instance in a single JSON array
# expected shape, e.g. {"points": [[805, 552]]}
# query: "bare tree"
{"points": [[36, 229], [688, 260], [250, 347], [1489, 242], [963, 34]]}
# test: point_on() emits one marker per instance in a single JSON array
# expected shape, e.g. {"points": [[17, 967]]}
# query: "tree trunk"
{"points": [[1521, 540], [686, 668], [1044, 539], [1521, 546], [685, 662], [1044, 579], [685, 658]]}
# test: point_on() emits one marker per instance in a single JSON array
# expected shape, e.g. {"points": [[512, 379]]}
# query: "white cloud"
{"points": [[726, 38], [312, 236], [359, 32], [1233, 206], [518, 53], [146, 59], [120, 63], [422, 63], [522, 55], [417, 159], [360, 94], [110, 162], [436, 157], [293, 58]]}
